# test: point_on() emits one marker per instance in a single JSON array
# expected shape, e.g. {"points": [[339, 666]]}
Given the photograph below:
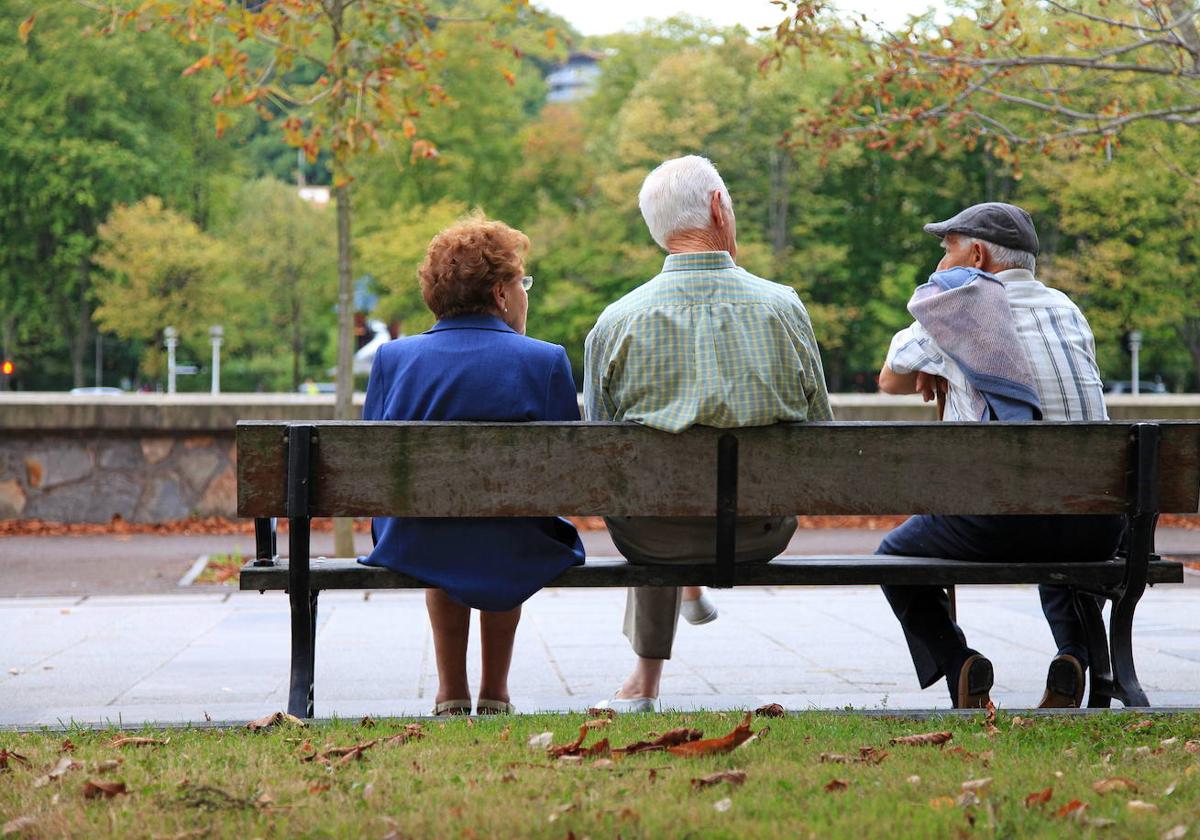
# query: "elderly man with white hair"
{"points": [[702, 343]]}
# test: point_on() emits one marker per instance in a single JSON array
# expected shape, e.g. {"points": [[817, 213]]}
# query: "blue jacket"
{"points": [[474, 367]]}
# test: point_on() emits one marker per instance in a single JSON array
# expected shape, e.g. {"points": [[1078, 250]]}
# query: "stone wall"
{"points": [[151, 458], [94, 477]]}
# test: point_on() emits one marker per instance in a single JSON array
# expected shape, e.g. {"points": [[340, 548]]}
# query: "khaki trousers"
{"points": [[652, 612]]}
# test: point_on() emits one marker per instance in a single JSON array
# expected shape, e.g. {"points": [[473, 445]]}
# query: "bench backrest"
{"points": [[535, 469]]}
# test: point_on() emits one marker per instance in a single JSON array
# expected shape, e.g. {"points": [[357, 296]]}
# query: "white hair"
{"points": [[678, 194], [1007, 257]]}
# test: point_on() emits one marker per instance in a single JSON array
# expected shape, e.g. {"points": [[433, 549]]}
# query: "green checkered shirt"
{"points": [[704, 343]]}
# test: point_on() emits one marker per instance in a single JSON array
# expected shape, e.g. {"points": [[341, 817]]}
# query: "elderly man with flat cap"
{"points": [[1001, 346]]}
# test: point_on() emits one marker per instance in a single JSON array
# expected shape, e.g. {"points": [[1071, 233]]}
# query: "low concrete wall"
{"points": [[153, 458]]}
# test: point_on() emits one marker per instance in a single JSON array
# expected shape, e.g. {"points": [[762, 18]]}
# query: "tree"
{"points": [[1010, 75], [162, 270], [286, 258], [84, 126]]}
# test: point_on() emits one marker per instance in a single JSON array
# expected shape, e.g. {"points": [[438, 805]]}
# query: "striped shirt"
{"points": [[704, 343], [1054, 333]]}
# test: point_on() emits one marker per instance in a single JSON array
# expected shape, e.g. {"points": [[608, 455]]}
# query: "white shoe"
{"points": [[629, 706], [700, 611]]}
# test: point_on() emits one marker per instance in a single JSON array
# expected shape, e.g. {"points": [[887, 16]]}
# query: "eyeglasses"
{"points": [[527, 282]]}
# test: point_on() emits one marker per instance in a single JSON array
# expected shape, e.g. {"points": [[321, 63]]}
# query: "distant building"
{"points": [[316, 195], [574, 80]]}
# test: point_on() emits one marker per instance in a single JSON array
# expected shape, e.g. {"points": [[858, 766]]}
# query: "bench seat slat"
{"points": [[619, 469], [338, 573]]}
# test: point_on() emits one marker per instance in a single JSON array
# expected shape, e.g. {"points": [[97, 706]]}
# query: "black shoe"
{"points": [[973, 684], [1064, 684]]}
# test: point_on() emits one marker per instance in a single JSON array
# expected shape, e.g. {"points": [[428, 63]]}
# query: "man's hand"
{"points": [[929, 386]]}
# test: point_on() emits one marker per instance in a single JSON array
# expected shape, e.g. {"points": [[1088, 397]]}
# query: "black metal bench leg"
{"points": [[1100, 678], [304, 618], [303, 600]]}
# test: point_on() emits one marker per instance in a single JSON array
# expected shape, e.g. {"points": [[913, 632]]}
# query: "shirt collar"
{"points": [[472, 321], [1016, 275], [699, 261]]}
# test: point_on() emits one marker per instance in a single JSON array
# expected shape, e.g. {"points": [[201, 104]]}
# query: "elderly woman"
{"points": [[474, 364]]}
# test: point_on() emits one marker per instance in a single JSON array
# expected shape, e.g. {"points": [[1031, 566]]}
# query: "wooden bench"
{"points": [[360, 469]]}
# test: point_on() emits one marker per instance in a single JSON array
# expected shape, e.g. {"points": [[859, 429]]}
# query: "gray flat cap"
{"points": [[1002, 224]]}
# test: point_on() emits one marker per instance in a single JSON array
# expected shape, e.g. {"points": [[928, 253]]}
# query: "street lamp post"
{"points": [[216, 335], [171, 336], [1135, 344]]}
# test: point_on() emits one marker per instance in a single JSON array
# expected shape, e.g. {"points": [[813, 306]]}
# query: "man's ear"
{"points": [[716, 210], [979, 255]]}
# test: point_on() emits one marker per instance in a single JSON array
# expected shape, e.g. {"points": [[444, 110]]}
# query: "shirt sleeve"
{"points": [[562, 402], [913, 349], [595, 363], [812, 372], [376, 389]]}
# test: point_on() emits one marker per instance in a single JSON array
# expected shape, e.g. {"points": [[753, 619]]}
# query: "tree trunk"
{"points": [[777, 207], [343, 531], [297, 331], [1191, 337], [79, 341]]}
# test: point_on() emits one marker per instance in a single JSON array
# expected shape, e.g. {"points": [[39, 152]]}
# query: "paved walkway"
{"points": [[224, 655]]}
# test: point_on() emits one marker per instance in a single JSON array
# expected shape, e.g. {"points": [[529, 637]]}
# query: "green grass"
{"points": [[482, 779]]}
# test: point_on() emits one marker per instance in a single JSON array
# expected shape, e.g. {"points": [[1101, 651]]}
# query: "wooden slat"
{"points": [[490, 469], [783, 571]]}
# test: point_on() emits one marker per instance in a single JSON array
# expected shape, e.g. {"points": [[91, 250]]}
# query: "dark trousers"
{"points": [[936, 642]]}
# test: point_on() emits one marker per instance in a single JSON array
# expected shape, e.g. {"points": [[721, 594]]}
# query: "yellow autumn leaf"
{"points": [[508, 76], [26, 27]]}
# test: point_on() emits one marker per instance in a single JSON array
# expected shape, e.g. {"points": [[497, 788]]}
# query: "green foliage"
{"points": [[163, 270]]}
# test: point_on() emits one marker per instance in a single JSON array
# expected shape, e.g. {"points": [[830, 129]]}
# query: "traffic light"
{"points": [[7, 368]]}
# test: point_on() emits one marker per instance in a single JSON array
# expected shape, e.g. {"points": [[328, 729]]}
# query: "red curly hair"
{"points": [[466, 260]]}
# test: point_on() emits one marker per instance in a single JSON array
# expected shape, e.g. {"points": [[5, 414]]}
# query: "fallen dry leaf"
{"points": [[505, 733], [771, 710], [1141, 724], [597, 712], [367, 722], [509, 776], [1176, 833], [837, 785], [93, 789], [7, 755], [834, 758], [870, 755], [925, 739], [603, 764], [989, 721], [1019, 721], [1039, 798], [723, 805], [1070, 808], [914, 780], [319, 787], [67, 746], [19, 825], [712, 746], [1192, 746], [977, 785], [541, 741], [967, 799], [1168, 742], [732, 777], [1115, 783], [560, 810], [274, 720], [598, 723], [576, 748], [412, 731], [344, 755], [1139, 806], [139, 742], [672, 738], [264, 800], [940, 802], [60, 769], [1170, 788]]}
